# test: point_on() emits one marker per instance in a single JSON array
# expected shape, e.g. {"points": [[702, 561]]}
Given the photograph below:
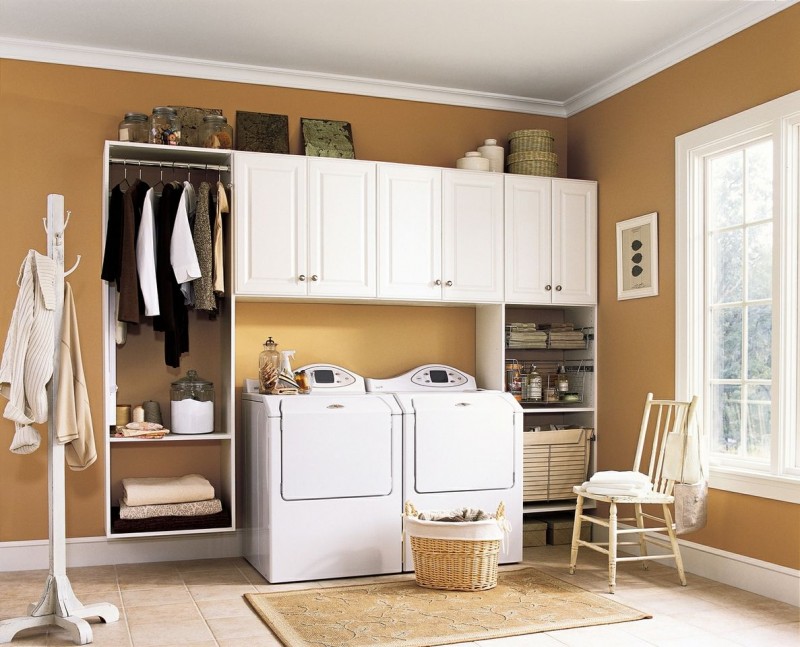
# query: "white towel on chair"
{"points": [[611, 477], [617, 490]]}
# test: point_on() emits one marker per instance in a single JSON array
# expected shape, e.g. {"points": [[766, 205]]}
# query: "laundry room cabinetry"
{"points": [[551, 240], [440, 234], [134, 359], [500, 353], [305, 227]]}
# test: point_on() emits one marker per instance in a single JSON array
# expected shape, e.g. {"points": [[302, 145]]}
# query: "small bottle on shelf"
{"points": [[533, 386], [562, 380]]}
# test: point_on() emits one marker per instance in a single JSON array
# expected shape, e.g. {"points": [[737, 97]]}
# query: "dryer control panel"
{"points": [[423, 378], [325, 378]]}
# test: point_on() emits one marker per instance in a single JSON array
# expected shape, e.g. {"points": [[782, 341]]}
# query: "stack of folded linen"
{"points": [[612, 483], [184, 496]]}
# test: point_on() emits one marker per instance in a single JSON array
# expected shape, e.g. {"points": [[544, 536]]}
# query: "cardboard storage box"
{"points": [[534, 533], [559, 529]]}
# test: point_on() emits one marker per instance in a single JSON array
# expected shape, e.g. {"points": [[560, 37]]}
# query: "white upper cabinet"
{"points": [[472, 236], [551, 240], [271, 224], [409, 232], [341, 228], [304, 227]]}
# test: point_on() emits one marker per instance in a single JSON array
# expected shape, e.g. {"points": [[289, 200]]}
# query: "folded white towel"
{"points": [[620, 487], [611, 476], [182, 489]]}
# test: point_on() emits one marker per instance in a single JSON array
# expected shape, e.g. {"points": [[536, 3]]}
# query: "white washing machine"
{"points": [[462, 447], [322, 479]]}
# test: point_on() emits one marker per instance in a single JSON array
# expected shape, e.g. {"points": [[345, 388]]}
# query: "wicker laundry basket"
{"points": [[455, 556]]}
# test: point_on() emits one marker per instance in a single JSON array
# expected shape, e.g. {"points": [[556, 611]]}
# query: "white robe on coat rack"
{"points": [[27, 363]]}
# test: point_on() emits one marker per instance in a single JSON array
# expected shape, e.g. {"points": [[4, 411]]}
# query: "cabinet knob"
{"points": [[558, 288], [548, 288], [302, 277], [449, 284], [314, 277], [437, 282]]}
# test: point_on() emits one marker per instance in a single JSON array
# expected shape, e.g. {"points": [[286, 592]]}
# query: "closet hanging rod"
{"points": [[168, 165]]}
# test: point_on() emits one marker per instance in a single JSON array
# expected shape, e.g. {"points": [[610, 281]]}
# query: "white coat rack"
{"points": [[58, 604]]}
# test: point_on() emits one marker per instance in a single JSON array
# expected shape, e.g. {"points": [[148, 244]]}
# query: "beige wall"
{"points": [[57, 118], [627, 144]]}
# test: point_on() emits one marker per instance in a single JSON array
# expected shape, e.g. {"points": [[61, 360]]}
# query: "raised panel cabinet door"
{"points": [[409, 232], [270, 224], [472, 236], [574, 242], [527, 232], [341, 228]]}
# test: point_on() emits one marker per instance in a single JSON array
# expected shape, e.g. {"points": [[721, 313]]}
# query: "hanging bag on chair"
{"points": [[691, 499]]}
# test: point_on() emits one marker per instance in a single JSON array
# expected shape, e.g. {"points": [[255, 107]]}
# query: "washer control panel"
{"points": [[423, 378], [324, 378]]}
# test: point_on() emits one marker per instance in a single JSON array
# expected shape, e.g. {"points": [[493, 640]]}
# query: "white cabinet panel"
{"points": [[574, 242], [409, 232], [270, 224], [341, 228], [472, 236]]}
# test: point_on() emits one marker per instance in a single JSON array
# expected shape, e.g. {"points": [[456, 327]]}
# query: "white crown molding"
{"points": [[726, 27], [127, 61]]}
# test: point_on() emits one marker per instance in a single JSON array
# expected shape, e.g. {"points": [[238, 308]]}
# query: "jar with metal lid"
{"points": [[134, 128], [269, 364], [192, 405], [165, 127], [215, 132]]}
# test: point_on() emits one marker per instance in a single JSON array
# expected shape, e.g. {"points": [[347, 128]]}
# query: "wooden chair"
{"points": [[660, 418]]}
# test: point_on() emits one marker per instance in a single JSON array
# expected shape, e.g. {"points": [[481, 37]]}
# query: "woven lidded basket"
{"points": [[455, 556], [533, 163], [530, 140]]}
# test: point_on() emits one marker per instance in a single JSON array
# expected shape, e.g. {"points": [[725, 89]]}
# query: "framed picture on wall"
{"points": [[637, 257]]}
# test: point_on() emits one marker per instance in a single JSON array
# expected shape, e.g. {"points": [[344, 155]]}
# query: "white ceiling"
{"points": [[538, 56]]}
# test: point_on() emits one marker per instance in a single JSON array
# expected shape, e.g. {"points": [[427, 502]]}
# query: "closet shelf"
{"points": [[174, 438]]}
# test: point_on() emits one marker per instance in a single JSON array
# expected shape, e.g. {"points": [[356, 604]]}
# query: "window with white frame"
{"points": [[738, 294]]}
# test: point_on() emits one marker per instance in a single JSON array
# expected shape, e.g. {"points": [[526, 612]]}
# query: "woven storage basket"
{"points": [[533, 163], [530, 140], [443, 560]]}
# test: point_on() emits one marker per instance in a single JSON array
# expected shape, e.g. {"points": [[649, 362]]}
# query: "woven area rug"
{"points": [[395, 614]]}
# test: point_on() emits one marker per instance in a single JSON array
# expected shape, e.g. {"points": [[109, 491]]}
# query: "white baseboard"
{"points": [[97, 551], [754, 575]]}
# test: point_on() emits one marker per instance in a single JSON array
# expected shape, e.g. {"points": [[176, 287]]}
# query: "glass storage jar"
{"points": [[269, 365], [216, 132], [134, 128], [165, 127], [192, 405]]}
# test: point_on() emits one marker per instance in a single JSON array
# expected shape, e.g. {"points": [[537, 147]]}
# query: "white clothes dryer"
{"points": [[322, 479], [462, 446]]}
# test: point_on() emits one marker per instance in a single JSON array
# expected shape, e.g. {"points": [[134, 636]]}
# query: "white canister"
{"points": [[474, 161], [494, 153]]}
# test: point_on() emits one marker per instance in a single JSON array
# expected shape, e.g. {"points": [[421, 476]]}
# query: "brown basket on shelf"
{"points": [[533, 163], [443, 560], [539, 144]]}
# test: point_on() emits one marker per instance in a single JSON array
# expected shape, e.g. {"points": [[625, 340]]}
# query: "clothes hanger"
{"points": [[160, 183], [124, 185]]}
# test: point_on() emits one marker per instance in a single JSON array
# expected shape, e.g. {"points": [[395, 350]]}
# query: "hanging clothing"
{"points": [[73, 417], [219, 254], [129, 279], [203, 245], [146, 256], [112, 253], [182, 253], [27, 363], [173, 319]]}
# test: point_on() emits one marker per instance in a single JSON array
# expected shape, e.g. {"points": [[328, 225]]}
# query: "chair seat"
{"points": [[650, 497]]}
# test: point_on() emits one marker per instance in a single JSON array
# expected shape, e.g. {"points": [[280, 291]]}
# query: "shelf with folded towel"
{"points": [[174, 438]]}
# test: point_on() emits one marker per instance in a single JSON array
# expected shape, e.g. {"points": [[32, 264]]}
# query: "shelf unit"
{"points": [[135, 371], [492, 354]]}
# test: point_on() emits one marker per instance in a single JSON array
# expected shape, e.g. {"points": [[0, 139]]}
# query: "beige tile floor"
{"points": [[200, 603]]}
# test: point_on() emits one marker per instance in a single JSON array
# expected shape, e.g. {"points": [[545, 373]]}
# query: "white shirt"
{"points": [[146, 256], [182, 255]]}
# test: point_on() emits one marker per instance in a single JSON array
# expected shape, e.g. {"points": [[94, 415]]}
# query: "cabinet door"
{"points": [[270, 224], [472, 236], [409, 232], [527, 233], [574, 242], [341, 228]]}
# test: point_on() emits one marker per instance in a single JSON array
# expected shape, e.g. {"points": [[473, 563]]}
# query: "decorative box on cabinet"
{"points": [[304, 226], [551, 240], [135, 371]]}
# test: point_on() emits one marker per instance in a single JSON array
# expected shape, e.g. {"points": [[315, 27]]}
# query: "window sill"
{"points": [[778, 488]]}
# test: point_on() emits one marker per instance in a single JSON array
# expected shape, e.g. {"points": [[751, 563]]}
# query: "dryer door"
{"points": [[335, 447], [463, 442]]}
